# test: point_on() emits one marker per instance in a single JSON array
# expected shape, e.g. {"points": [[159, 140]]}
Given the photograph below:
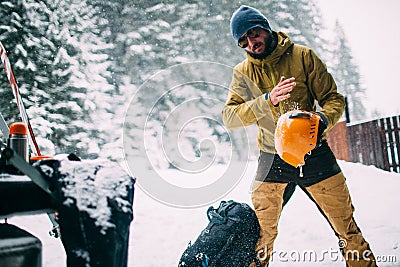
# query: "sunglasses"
{"points": [[252, 33]]}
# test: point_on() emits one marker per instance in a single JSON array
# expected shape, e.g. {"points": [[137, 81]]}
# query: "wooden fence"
{"points": [[374, 142]]}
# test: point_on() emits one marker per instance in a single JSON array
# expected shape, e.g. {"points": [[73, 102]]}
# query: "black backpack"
{"points": [[229, 239]]}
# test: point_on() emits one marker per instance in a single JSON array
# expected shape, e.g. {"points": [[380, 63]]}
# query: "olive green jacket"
{"points": [[253, 79]]}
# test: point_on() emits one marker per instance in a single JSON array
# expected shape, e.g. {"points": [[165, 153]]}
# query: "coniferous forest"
{"points": [[79, 63]]}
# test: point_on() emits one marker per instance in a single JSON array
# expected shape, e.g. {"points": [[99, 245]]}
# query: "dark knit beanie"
{"points": [[246, 18]]}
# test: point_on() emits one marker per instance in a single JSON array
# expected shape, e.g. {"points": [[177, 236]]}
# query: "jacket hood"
{"points": [[284, 43]]}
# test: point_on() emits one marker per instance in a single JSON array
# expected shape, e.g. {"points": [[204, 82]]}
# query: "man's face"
{"points": [[257, 42]]}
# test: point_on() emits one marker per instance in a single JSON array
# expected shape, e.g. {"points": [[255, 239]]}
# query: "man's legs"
{"points": [[333, 199], [268, 200]]}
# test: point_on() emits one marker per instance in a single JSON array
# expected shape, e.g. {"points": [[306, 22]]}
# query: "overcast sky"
{"points": [[372, 30]]}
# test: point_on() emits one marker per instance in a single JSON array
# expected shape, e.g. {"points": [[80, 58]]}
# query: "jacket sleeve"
{"points": [[324, 90], [246, 103]]}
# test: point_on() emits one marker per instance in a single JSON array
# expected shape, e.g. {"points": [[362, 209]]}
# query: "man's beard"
{"points": [[270, 44]]}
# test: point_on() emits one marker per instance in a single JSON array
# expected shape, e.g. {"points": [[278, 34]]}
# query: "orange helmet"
{"points": [[296, 135]]}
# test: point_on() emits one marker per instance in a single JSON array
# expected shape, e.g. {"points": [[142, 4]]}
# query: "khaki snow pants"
{"points": [[333, 200]]}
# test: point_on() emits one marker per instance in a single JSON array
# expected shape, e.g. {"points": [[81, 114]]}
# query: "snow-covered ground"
{"points": [[160, 233]]}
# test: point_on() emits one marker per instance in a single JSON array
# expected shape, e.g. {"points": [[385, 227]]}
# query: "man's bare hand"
{"points": [[281, 91]]}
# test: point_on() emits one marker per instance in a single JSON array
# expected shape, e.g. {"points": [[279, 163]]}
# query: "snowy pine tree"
{"points": [[38, 66], [347, 76], [301, 20], [12, 31]]}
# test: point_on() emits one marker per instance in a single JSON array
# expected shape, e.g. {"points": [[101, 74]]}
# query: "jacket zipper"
{"points": [[272, 74]]}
